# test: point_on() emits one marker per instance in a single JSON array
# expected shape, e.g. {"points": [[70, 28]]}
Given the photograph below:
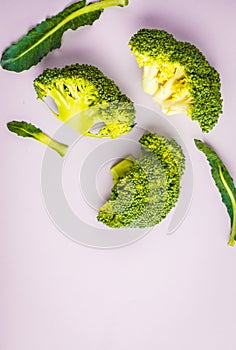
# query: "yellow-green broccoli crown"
{"points": [[149, 188], [80, 87], [178, 76]]}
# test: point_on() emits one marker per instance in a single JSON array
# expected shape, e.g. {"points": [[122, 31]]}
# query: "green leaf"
{"points": [[224, 182], [47, 35], [25, 129]]}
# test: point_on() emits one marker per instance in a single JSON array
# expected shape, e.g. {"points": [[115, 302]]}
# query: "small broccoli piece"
{"points": [[25, 129], [85, 91], [178, 76], [147, 188]]}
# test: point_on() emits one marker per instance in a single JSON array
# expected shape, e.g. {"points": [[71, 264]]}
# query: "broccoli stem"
{"points": [[95, 6], [60, 148], [150, 81], [233, 202], [84, 121], [232, 235], [119, 170], [231, 241]]}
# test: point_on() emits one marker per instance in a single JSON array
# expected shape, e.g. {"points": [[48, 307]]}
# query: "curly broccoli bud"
{"points": [[25, 129], [147, 188], [85, 91], [178, 76]]}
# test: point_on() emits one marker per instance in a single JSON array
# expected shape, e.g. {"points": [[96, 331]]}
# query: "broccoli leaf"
{"points": [[25, 129], [225, 184], [47, 35]]}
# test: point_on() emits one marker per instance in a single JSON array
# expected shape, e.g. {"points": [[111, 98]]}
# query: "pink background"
{"points": [[163, 292]]}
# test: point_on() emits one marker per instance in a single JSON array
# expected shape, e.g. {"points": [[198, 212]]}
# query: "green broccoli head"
{"points": [[83, 90], [178, 76], [147, 188]]}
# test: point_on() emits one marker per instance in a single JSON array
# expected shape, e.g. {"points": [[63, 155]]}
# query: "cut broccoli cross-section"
{"points": [[178, 76]]}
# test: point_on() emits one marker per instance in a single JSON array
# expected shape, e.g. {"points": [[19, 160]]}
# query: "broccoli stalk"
{"points": [[232, 196], [120, 169], [25, 129], [84, 92], [101, 5], [178, 76]]}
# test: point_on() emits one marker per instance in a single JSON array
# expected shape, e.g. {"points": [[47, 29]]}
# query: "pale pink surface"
{"points": [[163, 292]]}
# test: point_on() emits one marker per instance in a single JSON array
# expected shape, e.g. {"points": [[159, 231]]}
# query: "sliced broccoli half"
{"points": [[25, 129], [83, 90], [178, 76], [147, 188]]}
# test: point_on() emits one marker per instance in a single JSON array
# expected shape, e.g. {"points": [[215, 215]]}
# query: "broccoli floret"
{"points": [[178, 76], [25, 129], [147, 188], [83, 90]]}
